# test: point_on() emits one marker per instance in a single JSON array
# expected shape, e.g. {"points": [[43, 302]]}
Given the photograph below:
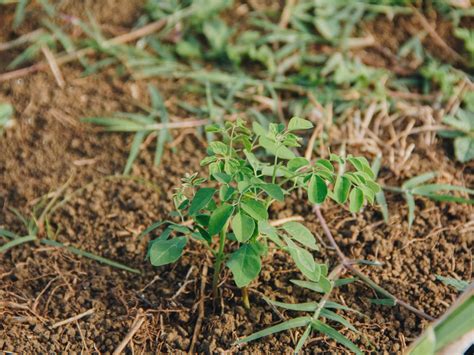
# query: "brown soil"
{"points": [[40, 286]]}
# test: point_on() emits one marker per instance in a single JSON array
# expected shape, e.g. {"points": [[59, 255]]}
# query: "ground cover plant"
{"points": [[126, 225], [246, 189]]}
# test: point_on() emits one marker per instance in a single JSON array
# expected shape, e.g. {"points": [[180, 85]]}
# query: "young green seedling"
{"points": [[249, 169]]}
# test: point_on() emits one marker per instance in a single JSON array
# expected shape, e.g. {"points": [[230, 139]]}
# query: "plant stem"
{"points": [[245, 297], [349, 265], [218, 262]]}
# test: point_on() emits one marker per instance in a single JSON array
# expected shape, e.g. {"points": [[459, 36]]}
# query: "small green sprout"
{"points": [[249, 169], [6, 113], [463, 134]]}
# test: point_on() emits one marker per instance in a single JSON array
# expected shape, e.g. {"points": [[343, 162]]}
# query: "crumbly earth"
{"points": [[39, 286]]}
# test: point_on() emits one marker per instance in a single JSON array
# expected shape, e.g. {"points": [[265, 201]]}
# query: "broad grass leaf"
{"points": [[464, 148], [418, 180], [382, 202], [134, 150], [289, 324], [334, 334], [17, 241], [326, 313], [300, 307], [321, 286]]}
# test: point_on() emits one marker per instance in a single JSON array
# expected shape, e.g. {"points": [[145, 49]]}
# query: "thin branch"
{"points": [[197, 328], [349, 265], [135, 327], [72, 319]]}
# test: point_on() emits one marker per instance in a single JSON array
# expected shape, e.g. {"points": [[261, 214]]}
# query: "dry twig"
{"points": [[137, 323], [72, 319], [349, 265], [197, 328]]}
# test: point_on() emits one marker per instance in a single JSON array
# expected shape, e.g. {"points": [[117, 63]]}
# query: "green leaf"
{"points": [[334, 334], [255, 209], [300, 307], [341, 188], [201, 199], [356, 200], [417, 180], [324, 164], [151, 228], [427, 346], [243, 227], [383, 301], [222, 178], [278, 150], [219, 218], [258, 129], [317, 190], [167, 251], [297, 123], [226, 192], [134, 150], [266, 228], [303, 260], [297, 163], [300, 233], [428, 189], [459, 285], [322, 286], [326, 313], [289, 324], [303, 339], [273, 190], [245, 264], [16, 241]]}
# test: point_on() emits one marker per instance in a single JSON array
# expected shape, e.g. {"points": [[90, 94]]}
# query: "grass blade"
{"points": [[303, 339], [417, 180], [134, 150], [334, 334], [88, 255], [16, 241], [301, 307], [431, 188], [158, 104], [289, 324], [326, 313], [20, 13], [7, 234], [382, 202]]}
